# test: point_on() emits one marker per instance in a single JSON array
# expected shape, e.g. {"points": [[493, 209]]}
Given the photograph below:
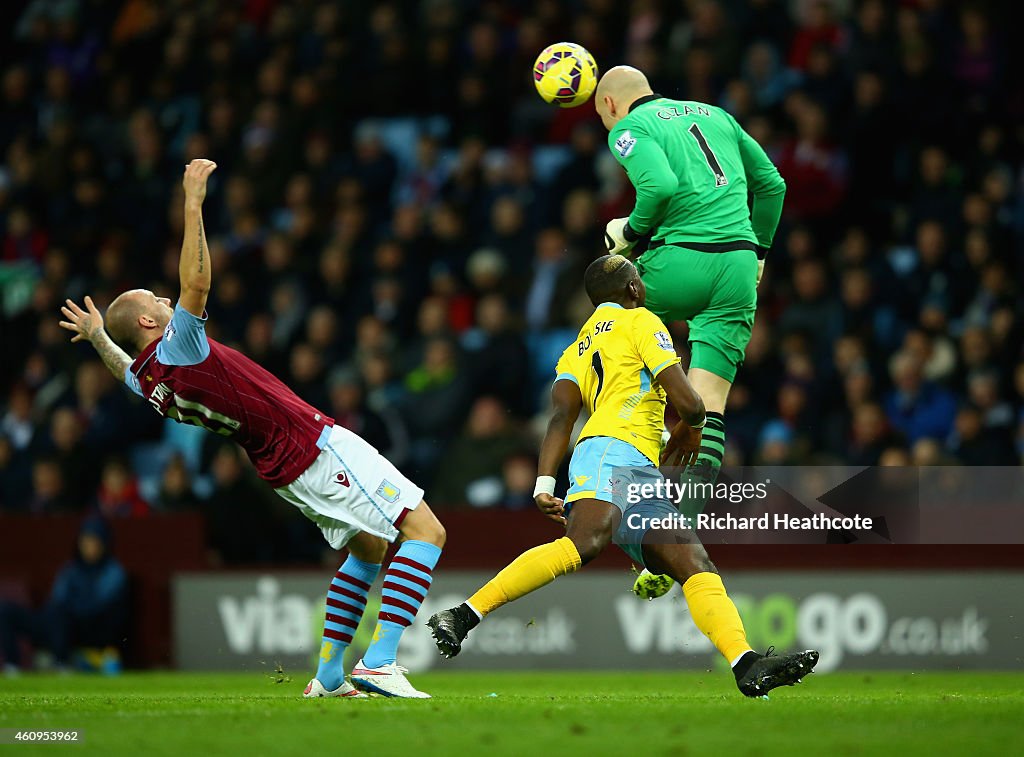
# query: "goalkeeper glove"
{"points": [[761, 252], [619, 236]]}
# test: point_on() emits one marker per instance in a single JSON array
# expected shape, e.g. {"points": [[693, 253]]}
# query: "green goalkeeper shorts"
{"points": [[715, 292]]}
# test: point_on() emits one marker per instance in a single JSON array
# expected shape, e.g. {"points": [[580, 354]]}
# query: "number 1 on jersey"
{"points": [[598, 366], [709, 155]]}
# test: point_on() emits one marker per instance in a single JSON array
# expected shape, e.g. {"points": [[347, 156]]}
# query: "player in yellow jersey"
{"points": [[614, 364], [622, 368]]}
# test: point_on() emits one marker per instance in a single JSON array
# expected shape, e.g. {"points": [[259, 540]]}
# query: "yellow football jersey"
{"points": [[615, 361]]}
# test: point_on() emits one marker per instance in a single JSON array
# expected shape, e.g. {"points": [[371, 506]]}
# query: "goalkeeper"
{"points": [[693, 166]]}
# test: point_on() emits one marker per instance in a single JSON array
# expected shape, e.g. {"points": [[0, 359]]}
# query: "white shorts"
{"points": [[351, 487]]}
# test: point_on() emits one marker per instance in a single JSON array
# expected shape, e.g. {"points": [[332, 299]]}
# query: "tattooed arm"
{"points": [[88, 325], [194, 266]]}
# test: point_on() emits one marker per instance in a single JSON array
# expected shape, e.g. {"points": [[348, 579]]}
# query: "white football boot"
{"points": [[387, 680], [316, 689], [651, 586]]}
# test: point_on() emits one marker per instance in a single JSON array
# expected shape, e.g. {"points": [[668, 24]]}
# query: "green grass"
{"points": [[537, 714]]}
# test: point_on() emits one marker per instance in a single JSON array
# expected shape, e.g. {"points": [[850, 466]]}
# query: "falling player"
{"points": [[622, 367], [356, 497], [693, 166]]}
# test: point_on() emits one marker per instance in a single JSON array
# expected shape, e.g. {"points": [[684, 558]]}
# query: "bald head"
{"points": [[619, 88], [136, 318]]}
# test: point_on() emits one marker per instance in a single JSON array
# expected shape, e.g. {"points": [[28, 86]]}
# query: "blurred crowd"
{"points": [[399, 227]]}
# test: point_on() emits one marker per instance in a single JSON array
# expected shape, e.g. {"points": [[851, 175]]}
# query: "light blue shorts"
{"points": [[592, 467], [604, 468]]}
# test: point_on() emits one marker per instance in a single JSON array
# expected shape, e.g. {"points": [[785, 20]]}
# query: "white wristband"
{"points": [[545, 485]]}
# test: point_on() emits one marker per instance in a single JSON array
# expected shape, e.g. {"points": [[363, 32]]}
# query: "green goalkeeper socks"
{"points": [[700, 477]]}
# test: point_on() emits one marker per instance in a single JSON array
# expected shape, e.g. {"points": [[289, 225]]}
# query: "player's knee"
{"points": [[438, 535], [589, 545], [368, 548], [423, 525], [699, 562], [706, 566]]}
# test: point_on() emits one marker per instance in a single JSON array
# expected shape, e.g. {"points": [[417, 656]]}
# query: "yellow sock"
{"points": [[715, 614], [528, 572]]}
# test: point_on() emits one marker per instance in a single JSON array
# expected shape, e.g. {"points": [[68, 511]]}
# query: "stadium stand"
{"points": [[399, 227]]}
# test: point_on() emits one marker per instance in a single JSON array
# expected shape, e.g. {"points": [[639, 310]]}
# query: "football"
{"points": [[565, 73]]}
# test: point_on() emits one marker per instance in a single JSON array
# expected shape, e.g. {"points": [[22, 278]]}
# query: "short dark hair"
{"points": [[607, 277]]}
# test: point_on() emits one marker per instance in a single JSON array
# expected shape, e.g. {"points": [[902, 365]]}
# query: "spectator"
{"points": [[871, 39], [813, 167], [437, 394], [87, 608], [323, 334], [496, 354], [519, 475], [422, 185], [240, 513], [471, 471], [814, 314], [510, 234], [23, 242], [870, 435], [66, 445], [818, 28], [936, 196], [349, 410], [554, 276], [357, 226], [767, 77], [118, 495], [972, 444], [50, 493], [17, 423], [894, 457], [775, 445], [580, 172], [927, 452], [176, 493], [916, 407], [102, 406], [307, 372], [485, 271], [15, 478], [936, 355], [870, 152]]}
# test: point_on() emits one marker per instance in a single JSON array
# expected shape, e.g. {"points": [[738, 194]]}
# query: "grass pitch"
{"points": [[535, 714]]}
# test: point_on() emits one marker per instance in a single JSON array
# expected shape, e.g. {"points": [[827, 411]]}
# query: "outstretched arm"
{"points": [[88, 325], [567, 402], [194, 266]]}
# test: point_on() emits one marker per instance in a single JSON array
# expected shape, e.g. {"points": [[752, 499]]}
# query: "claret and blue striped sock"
{"points": [[406, 583], [346, 600]]}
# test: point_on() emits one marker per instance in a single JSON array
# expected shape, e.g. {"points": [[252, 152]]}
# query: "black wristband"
{"points": [[761, 251], [629, 234]]}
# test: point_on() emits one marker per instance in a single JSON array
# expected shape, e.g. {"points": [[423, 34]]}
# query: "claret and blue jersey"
{"points": [[190, 378]]}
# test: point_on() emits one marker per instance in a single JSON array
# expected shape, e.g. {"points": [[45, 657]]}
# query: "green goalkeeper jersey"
{"points": [[692, 166]]}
